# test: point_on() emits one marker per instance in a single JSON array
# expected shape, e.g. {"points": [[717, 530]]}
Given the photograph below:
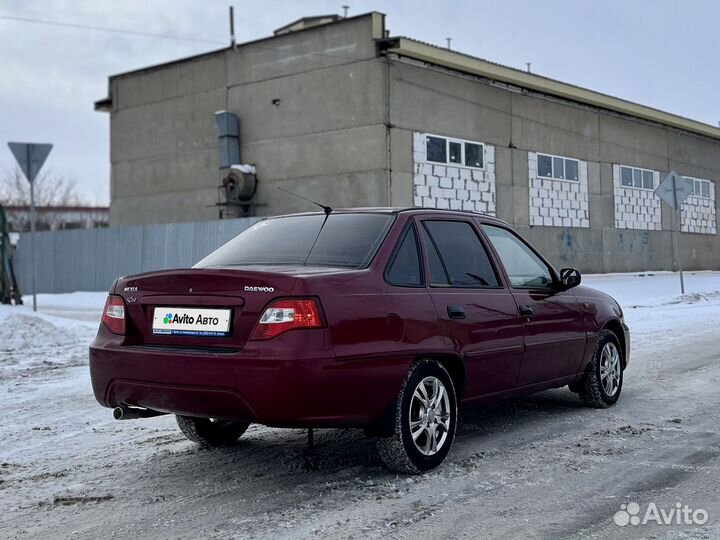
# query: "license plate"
{"points": [[191, 321]]}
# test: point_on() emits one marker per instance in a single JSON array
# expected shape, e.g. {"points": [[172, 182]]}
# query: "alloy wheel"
{"points": [[430, 416], [610, 369]]}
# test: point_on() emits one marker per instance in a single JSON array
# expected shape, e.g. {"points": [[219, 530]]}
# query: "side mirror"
{"points": [[569, 278]]}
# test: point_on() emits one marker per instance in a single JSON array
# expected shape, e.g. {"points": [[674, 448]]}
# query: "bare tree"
{"points": [[50, 190]]}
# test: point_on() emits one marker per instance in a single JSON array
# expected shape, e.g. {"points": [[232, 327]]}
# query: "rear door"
{"points": [[478, 314], [554, 327]]}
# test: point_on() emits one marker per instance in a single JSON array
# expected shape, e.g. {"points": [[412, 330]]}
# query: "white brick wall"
{"points": [[453, 186], [558, 203], [698, 214], [636, 208]]}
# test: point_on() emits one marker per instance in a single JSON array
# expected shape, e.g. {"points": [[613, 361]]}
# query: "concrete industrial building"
{"points": [[339, 111]]}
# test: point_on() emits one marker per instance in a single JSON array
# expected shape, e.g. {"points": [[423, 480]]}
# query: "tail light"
{"points": [[284, 315], [114, 314]]}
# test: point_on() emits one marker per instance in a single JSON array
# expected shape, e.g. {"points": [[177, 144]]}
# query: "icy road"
{"points": [[539, 467]]}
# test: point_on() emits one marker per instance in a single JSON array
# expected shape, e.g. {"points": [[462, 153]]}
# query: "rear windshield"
{"points": [[344, 240]]}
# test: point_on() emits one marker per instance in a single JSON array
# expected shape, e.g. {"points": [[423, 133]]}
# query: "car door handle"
{"points": [[455, 312], [526, 311]]}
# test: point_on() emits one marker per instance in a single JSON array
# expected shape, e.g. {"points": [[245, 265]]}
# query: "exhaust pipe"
{"points": [[133, 413]]}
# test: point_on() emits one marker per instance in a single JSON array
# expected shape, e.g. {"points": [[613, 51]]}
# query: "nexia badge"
{"points": [[248, 288]]}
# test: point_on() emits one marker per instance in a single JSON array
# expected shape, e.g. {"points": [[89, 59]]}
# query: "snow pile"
{"points": [[648, 289], [56, 336], [26, 332]]}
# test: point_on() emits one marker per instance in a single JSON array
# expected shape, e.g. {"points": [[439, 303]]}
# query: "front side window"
{"points": [[404, 270], [524, 268], [337, 240], [558, 167], [463, 258]]}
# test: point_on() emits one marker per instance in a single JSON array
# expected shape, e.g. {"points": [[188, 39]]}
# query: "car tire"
{"points": [[209, 432], [428, 400], [601, 386]]}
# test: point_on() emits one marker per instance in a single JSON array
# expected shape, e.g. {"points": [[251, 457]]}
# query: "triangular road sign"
{"points": [[30, 157]]}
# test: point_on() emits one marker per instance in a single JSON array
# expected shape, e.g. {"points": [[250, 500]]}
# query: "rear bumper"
{"points": [[293, 380]]}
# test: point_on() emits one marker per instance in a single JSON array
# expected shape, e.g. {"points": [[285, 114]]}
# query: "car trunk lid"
{"points": [[205, 307]]}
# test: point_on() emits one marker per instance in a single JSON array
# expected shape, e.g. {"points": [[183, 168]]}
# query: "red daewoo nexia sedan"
{"points": [[386, 319]]}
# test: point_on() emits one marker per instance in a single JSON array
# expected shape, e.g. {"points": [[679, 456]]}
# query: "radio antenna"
{"points": [[325, 208]]}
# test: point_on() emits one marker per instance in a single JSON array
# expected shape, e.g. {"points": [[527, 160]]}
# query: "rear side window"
{"points": [[464, 259], [405, 268], [337, 240], [524, 268]]}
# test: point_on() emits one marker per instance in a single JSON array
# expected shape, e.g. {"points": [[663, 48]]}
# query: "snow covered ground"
{"points": [[538, 467]]}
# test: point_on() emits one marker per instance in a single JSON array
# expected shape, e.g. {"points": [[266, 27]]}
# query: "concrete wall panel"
{"points": [[555, 128], [321, 47], [433, 102], [174, 126], [198, 75], [340, 190], [305, 106], [169, 207], [343, 151], [631, 142]]}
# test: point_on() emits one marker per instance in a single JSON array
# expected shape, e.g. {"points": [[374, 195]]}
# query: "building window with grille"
{"points": [[633, 177], [557, 167], [457, 152]]}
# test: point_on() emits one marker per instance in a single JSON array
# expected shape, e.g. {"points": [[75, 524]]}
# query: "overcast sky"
{"points": [[658, 53]]}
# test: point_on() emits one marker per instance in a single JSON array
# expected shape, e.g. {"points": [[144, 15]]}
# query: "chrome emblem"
{"points": [[248, 288]]}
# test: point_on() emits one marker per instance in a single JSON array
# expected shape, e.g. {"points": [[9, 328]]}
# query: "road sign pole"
{"points": [[30, 157], [673, 191], [32, 244], [678, 218]]}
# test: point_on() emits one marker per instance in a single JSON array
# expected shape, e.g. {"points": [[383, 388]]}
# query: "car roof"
{"points": [[413, 210]]}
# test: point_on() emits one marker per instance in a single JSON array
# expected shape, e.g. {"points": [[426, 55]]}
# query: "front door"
{"points": [[553, 321], [478, 314]]}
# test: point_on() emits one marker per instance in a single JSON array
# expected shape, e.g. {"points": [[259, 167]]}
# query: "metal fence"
{"points": [[91, 259]]}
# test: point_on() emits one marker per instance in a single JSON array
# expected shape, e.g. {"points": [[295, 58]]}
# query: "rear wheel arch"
{"points": [[453, 364], [424, 421]]}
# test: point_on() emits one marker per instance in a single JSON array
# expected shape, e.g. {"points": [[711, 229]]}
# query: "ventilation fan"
{"points": [[239, 184]]}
